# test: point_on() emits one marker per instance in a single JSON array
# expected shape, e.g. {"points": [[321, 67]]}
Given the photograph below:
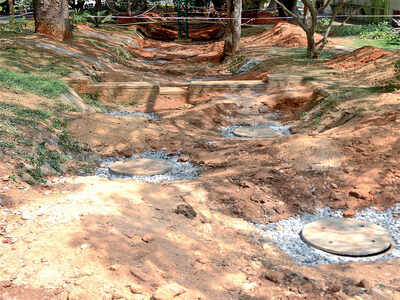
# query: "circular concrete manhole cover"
{"points": [[141, 167], [254, 132], [347, 237]]}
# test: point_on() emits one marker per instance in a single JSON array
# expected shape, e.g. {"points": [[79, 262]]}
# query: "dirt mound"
{"points": [[259, 18], [291, 102], [283, 34], [357, 58]]}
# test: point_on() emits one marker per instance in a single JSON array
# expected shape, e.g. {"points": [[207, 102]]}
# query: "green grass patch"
{"points": [[36, 62], [384, 44], [379, 34], [42, 86]]}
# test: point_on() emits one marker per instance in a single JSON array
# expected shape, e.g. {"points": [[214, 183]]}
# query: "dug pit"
{"points": [[140, 167], [254, 132], [258, 131], [290, 235], [347, 237], [147, 167]]}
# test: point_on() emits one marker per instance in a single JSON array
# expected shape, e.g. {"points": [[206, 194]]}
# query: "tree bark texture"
{"points": [[52, 19], [233, 29], [12, 10], [99, 5], [129, 7]]}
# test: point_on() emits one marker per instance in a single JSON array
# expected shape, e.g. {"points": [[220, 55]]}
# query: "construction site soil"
{"points": [[87, 237]]}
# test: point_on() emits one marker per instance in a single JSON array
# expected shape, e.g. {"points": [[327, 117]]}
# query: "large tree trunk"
{"points": [[99, 5], [52, 18], [233, 30], [129, 7], [12, 10]]}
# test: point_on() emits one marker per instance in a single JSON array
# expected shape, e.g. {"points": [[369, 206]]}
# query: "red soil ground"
{"points": [[259, 18], [357, 58], [283, 34]]}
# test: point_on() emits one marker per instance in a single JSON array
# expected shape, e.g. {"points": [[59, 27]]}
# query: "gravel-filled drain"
{"points": [[147, 167], [383, 228], [258, 131], [135, 115]]}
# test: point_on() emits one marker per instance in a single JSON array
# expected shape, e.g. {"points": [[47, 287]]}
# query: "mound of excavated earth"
{"points": [[283, 34], [357, 58]]}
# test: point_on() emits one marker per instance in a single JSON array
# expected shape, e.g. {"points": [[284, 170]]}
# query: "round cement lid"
{"points": [[256, 132], [347, 237], [141, 167]]}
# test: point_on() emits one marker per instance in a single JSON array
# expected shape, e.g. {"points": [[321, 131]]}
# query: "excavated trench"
{"points": [[252, 121]]}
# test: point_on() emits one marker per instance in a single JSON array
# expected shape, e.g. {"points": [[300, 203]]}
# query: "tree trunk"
{"points": [[12, 11], [52, 19], [233, 30], [99, 6], [310, 45], [129, 7]]}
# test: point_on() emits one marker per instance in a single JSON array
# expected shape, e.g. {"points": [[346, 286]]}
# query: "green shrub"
{"points": [[379, 31]]}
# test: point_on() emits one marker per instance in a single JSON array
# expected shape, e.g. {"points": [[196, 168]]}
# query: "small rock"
{"points": [[333, 288], [169, 291], [114, 267], [138, 274], [263, 109], [47, 170], [10, 240], [274, 276], [357, 195], [6, 283], [364, 284], [349, 213], [184, 158], [186, 210], [26, 216], [27, 178], [85, 246], [134, 290], [147, 238]]}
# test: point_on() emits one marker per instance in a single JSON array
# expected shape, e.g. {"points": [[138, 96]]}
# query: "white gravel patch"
{"points": [[251, 64], [286, 235], [148, 116]]}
